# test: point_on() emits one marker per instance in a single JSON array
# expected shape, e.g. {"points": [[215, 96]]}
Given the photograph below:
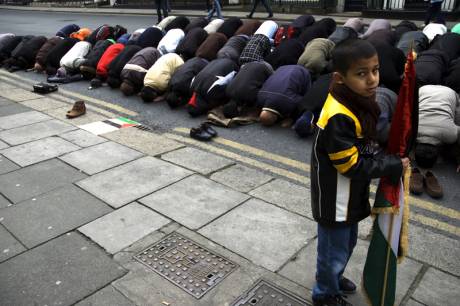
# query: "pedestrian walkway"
{"points": [[130, 217], [340, 18]]}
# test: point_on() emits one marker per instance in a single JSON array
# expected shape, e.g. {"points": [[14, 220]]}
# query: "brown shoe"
{"points": [[416, 182], [432, 185], [78, 109]]}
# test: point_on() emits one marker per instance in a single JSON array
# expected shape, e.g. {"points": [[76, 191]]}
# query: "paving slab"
{"points": [[31, 181], [194, 201], [412, 302], [438, 288], [35, 131], [4, 202], [19, 94], [44, 104], [9, 246], [101, 157], [131, 181], [52, 214], [197, 160], [82, 138], [6, 165], [3, 145], [60, 113], [69, 269], [4, 85], [39, 150], [303, 268], [443, 251], [4, 102], [12, 109], [107, 296], [257, 230], [145, 287], [241, 178], [146, 142], [26, 118], [123, 227], [290, 196]]}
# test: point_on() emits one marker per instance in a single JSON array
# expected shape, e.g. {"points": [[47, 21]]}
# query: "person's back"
{"points": [[343, 162]]}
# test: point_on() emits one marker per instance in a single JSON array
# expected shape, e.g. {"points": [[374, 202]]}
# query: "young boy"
{"points": [[343, 163]]}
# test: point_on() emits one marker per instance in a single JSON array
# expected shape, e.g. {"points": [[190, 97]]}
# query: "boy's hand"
{"points": [[405, 162]]}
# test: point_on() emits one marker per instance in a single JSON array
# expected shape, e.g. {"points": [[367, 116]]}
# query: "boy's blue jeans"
{"points": [[335, 246]]}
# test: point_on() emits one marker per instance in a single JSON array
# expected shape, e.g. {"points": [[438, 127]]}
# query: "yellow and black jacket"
{"points": [[342, 166]]}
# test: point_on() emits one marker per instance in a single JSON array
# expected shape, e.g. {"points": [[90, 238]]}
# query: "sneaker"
{"points": [[337, 300], [416, 182], [346, 285], [432, 186]]}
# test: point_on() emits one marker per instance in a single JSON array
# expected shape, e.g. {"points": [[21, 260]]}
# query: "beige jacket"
{"points": [[159, 74]]}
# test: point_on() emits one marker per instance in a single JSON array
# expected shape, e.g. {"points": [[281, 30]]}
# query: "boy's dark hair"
{"points": [[350, 50]]}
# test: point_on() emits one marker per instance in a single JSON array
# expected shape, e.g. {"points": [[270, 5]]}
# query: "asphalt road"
{"points": [[158, 116]]}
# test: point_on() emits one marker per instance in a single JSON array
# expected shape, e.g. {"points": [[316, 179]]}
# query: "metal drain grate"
{"points": [[188, 265], [266, 294]]}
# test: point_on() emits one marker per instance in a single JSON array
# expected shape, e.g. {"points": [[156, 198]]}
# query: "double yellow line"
{"points": [[303, 179]]}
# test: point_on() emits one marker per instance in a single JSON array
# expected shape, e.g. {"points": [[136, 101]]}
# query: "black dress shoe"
{"points": [[206, 127], [200, 134], [347, 286], [249, 16]]}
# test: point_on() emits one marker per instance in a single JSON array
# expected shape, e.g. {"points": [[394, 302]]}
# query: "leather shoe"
{"points": [[432, 186], [416, 182], [207, 128], [200, 134], [346, 285], [77, 110]]}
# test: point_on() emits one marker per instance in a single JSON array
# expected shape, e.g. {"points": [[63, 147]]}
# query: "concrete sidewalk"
{"points": [[79, 214], [340, 18]]}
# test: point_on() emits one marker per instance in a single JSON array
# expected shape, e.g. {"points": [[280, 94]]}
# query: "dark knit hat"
{"points": [[127, 88], [148, 94], [426, 155]]}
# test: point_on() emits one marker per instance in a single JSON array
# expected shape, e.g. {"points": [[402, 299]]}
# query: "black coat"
{"points": [[116, 66], [45, 49], [419, 40], [431, 67], [96, 53], [248, 81], [180, 22], [383, 36], [233, 48], [8, 46], [150, 37], [199, 22], [404, 27], [181, 80], [315, 97], [26, 53], [301, 23], [452, 79], [320, 29], [53, 58], [192, 40], [287, 53], [449, 43], [230, 25]]}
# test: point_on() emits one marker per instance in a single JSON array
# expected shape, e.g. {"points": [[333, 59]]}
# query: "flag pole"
{"points": [[385, 276]]}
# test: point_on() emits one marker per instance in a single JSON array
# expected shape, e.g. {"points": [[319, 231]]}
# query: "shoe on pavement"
{"points": [[432, 186], [346, 286], [337, 300], [200, 134], [77, 110], [208, 129], [249, 16], [416, 182]]}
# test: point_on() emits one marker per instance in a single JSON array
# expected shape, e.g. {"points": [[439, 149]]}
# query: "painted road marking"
{"points": [[420, 203], [78, 96]]}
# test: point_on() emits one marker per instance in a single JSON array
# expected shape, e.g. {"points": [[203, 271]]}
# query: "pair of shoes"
{"points": [[204, 132], [249, 16], [45, 88], [346, 286], [337, 300], [429, 182], [77, 110]]}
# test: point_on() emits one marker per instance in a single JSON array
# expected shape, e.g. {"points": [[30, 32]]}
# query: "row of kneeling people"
{"points": [[283, 70]]}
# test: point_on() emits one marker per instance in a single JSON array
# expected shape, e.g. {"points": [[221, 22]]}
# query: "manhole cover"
{"points": [[266, 294], [188, 265]]}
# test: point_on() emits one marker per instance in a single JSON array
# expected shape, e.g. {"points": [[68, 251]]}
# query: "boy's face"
{"points": [[362, 77]]}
